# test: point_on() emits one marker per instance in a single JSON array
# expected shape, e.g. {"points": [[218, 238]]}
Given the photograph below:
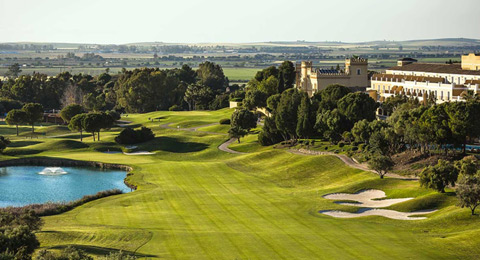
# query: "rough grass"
{"points": [[196, 202]]}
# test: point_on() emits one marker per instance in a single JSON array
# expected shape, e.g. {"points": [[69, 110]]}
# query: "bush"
{"points": [[175, 108], [326, 148], [225, 121], [114, 114], [131, 136], [341, 144], [354, 148]]}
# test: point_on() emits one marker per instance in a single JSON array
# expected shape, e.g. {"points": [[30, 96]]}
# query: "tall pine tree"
{"points": [[304, 124]]}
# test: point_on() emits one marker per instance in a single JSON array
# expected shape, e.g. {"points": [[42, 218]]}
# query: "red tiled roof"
{"points": [[436, 68]]}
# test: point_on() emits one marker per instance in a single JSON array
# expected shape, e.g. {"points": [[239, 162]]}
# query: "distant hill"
{"points": [[412, 43]]}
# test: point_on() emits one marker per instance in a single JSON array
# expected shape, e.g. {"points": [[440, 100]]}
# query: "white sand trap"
{"points": [[365, 199], [393, 214], [139, 153], [132, 153]]}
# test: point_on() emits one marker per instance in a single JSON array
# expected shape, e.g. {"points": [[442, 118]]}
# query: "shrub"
{"points": [[114, 114], [225, 121], [175, 108], [341, 144], [326, 148], [131, 136], [355, 148], [54, 208]]}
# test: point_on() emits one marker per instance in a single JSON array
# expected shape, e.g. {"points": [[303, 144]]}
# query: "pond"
{"points": [[23, 185]]}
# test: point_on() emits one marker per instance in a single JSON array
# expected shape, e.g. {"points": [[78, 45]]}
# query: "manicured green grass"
{"points": [[196, 202], [244, 74]]}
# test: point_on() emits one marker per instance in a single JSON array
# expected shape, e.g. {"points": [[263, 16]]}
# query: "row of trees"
{"points": [[463, 173], [91, 123], [30, 113], [327, 114], [138, 90]]}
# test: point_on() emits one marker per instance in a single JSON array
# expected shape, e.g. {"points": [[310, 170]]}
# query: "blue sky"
{"points": [[198, 21]]}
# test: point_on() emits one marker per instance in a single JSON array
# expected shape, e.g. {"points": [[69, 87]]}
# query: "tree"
{"points": [[33, 114], [331, 95], [266, 73], [357, 106], [92, 123], [287, 73], [244, 119], [361, 131], [107, 122], [272, 102], [269, 134], [468, 191], [255, 98], [76, 124], [16, 117], [237, 132], [13, 71], [198, 96], [70, 111], [330, 124], [286, 114], [269, 86], [379, 143], [305, 122], [438, 177], [211, 75], [381, 164]]}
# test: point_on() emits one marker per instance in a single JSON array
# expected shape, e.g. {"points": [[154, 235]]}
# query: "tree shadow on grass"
{"points": [[173, 145], [100, 251], [23, 143]]}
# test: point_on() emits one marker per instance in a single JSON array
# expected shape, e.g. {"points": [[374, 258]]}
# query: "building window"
{"points": [[359, 71]]}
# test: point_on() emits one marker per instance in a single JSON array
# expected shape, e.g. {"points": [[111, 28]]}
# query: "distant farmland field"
{"points": [[233, 74]]}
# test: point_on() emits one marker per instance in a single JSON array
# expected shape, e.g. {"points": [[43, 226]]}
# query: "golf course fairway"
{"points": [[196, 202]]}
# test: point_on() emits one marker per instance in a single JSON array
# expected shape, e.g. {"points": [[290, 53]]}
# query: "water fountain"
{"points": [[53, 171]]}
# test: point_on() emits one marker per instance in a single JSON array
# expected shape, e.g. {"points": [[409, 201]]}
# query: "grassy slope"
{"points": [[195, 202]]}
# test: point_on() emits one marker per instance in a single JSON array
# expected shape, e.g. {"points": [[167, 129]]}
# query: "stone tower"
{"points": [[357, 69]]}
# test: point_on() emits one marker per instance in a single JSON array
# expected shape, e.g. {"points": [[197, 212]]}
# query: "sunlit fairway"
{"points": [[196, 202]]}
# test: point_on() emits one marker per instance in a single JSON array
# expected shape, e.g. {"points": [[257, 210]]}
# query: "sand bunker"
{"points": [[393, 214], [132, 153], [365, 199], [139, 153]]}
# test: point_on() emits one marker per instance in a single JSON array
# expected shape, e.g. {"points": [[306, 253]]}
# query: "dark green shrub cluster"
{"points": [[54, 208], [225, 121], [131, 136]]}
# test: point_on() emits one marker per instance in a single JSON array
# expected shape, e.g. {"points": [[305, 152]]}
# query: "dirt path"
{"points": [[349, 161], [224, 147], [192, 129], [123, 123]]}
